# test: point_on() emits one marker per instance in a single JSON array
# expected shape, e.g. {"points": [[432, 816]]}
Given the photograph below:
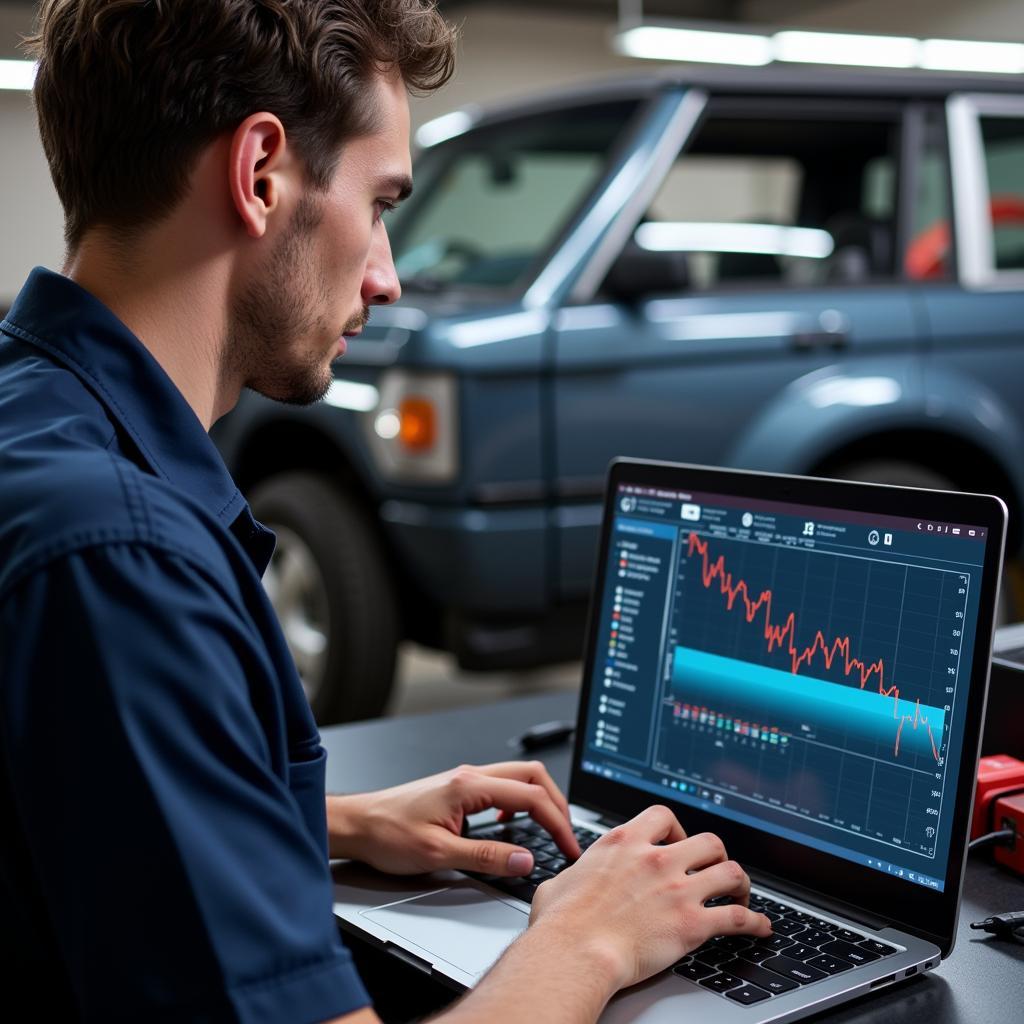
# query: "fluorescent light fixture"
{"points": [[448, 126], [351, 394], [17, 74], [849, 49], [770, 239], [661, 43], [964, 55]]}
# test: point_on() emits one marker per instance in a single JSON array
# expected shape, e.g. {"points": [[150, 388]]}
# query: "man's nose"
{"points": [[380, 282]]}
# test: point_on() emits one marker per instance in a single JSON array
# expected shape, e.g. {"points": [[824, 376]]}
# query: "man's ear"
{"points": [[256, 163]]}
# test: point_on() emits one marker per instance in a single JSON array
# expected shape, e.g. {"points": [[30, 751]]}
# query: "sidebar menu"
{"points": [[626, 663]]}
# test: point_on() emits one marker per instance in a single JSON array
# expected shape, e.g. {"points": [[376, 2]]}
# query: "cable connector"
{"points": [[1003, 926]]}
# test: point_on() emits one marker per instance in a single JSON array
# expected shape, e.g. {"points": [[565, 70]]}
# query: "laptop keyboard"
{"points": [[803, 948]]}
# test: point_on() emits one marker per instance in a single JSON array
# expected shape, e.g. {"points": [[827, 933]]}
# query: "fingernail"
{"points": [[520, 863]]}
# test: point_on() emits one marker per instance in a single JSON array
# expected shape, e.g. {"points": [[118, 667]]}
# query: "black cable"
{"points": [[1003, 926], [993, 838]]}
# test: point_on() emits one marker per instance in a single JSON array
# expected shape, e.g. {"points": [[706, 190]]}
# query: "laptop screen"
{"points": [[799, 669]]}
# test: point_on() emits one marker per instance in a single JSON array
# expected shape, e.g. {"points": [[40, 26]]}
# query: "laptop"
{"points": [[799, 665]]}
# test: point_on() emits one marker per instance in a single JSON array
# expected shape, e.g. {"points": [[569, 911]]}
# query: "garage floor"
{"points": [[431, 681]]}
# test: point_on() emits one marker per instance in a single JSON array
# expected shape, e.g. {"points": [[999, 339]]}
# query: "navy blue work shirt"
{"points": [[163, 838]]}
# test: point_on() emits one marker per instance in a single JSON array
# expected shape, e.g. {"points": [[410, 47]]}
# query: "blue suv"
{"points": [[813, 273]]}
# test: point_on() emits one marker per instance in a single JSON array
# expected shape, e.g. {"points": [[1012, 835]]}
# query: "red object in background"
{"points": [[1008, 812], [998, 775]]}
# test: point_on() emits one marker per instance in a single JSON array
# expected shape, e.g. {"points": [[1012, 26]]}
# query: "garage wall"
{"points": [[505, 52]]}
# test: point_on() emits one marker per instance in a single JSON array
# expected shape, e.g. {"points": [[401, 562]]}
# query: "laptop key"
{"points": [[874, 946], [776, 944], [830, 964], [798, 951], [693, 970], [735, 943], [821, 924], [714, 957], [755, 955], [747, 996], [721, 982], [847, 936], [855, 954], [769, 981], [813, 937], [793, 969], [799, 915], [786, 927]]}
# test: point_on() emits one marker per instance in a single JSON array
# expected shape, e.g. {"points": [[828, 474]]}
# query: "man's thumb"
{"points": [[489, 858]]}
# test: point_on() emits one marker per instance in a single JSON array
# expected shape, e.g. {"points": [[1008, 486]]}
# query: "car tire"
{"points": [[332, 589], [909, 474]]}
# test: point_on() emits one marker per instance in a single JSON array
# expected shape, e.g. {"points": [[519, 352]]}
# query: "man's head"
{"points": [[303, 104]]}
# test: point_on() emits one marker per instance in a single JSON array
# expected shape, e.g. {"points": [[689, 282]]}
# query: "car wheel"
{"points": [[909, 474], [333, 594]]}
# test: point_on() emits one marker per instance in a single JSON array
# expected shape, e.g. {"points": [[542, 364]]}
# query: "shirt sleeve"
{"points": [[180, 880]]}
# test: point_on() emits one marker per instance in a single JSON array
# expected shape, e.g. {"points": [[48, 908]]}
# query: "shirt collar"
{"points": [[75, 328]]}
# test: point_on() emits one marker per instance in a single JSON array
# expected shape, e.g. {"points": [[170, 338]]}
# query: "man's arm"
{"points": [[632, 905], [170, 864]]}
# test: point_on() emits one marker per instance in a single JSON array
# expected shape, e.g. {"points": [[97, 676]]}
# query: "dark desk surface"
{"points": [[982, 982]]}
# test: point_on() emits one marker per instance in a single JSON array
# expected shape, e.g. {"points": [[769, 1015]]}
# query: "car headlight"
{"points": [[412, 429]]}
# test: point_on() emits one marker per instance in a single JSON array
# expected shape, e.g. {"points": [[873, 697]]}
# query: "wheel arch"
{"points": [[970, 465], [278, 446]]}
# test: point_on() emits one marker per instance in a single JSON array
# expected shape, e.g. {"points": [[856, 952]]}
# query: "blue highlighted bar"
{"points": [[646, 529], [788, 700]]}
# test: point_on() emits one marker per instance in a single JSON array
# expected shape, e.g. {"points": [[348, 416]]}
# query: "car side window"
{"points": [[489, 204], [1003, 140], [786, 202]]}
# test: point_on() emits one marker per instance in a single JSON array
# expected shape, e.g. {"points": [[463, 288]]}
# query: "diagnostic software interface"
{"points": [[799, 669]]}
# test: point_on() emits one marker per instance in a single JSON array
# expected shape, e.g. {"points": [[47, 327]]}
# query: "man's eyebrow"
{"points": [[400, 183]]}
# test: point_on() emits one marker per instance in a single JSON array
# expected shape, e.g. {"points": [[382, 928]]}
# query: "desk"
{"points": [[982, 982]]}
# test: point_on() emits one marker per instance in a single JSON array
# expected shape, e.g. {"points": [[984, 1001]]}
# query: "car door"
{"points": [[781, 218], [973, 291]]}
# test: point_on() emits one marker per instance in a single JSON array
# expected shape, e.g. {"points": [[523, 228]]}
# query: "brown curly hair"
{"points": [[129, 92]]}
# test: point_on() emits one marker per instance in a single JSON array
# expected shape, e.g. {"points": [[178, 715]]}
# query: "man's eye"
{"points": [[381, 207]]}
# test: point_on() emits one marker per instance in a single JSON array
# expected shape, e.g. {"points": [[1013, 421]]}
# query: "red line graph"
{"points": [[784, 636]]}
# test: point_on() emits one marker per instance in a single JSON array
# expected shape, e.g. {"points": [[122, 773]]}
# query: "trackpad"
{"points": [[463, 926]]}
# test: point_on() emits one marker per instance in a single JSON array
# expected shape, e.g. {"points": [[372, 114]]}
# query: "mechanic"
{"points": [[223, 168]]}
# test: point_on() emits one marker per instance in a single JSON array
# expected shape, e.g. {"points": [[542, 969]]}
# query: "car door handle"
{"points": [[805, 341], [832, 331]]}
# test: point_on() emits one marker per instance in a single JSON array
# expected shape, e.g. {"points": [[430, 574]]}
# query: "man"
{"points": [[224, 167]]}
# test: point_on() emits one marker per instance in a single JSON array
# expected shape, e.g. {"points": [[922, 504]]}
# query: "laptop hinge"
{"points": [[856, 914]]}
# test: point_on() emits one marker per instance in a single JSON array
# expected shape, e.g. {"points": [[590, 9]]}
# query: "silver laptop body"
{"points": [[798, 665]]}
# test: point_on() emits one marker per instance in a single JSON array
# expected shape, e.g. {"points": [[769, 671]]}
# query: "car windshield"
{"points": [[490, 204]]}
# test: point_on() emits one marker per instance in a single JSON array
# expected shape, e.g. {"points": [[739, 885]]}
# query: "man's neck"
{"points": [[178, 312]]}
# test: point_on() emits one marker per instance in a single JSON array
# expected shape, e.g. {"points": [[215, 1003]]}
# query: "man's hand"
{"points": [[640, 905], [417, 827]]}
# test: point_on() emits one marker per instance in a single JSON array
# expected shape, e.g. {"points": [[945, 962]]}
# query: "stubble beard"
{"points": [[272, 318]]}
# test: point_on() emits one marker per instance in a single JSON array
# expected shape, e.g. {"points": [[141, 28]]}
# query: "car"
{"points": [[817, 273]]}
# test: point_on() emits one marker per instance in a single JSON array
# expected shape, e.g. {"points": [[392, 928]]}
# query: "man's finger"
{"points": [[724, 879], [656, 824], [734, 920], [512, 795], [529, 771], [703, 850]]}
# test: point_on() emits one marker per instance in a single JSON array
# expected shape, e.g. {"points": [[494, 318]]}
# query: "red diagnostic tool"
{"points": [[999, 804]]}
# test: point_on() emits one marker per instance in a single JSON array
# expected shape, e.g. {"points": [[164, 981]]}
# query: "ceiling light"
{"points": [[661, 43], [17, 74], [964, 55], [767, 239], [840, 48], [443, 128]]}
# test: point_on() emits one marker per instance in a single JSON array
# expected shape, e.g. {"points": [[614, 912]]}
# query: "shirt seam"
{"points": [[49, 554]]}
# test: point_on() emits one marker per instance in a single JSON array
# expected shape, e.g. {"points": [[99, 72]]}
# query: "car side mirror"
{"points": [[639, 272]]}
